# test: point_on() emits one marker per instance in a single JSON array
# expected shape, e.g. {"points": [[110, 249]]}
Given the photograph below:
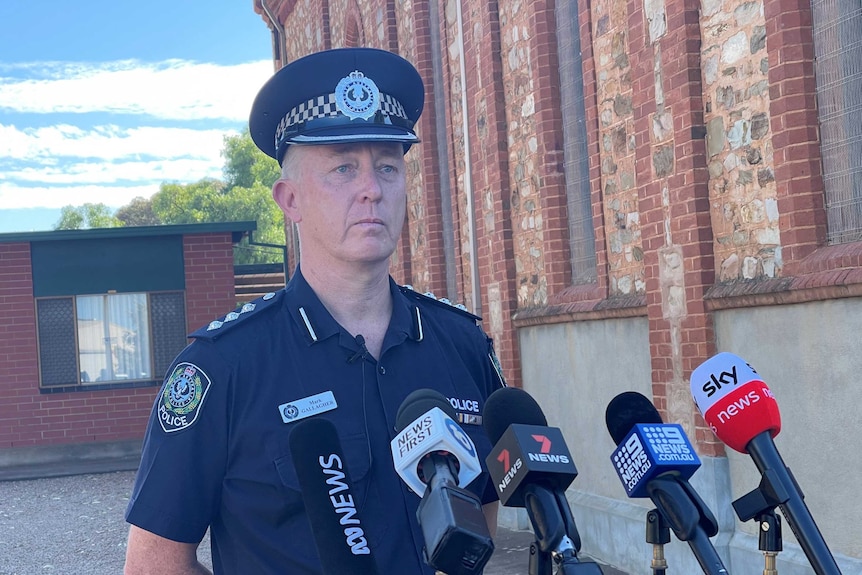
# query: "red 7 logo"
{"points": [[504, 459], [546, 443]]}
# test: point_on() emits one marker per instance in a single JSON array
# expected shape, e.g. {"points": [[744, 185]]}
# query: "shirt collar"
{"points": [[312, 317]]}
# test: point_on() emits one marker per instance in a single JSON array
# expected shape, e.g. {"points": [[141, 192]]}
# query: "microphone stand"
{"points": [[557, 539], [689, 518], [658, 535], [760, 505], [770, 540], [773, 469]]}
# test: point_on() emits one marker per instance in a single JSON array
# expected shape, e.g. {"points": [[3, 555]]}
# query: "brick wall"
{"points": [[210, 289], [18, 368], [31, 418]]}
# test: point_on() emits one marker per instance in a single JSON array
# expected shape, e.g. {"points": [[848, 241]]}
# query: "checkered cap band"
{"points": [[325, 107]]}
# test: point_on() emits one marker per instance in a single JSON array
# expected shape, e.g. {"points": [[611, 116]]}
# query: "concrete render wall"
{"points": [[806, 353], [809, 356]]}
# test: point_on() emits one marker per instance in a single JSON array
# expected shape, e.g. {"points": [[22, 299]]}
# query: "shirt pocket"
{"points": [[358, 478]]}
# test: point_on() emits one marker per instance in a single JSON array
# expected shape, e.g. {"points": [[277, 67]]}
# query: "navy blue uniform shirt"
{"points": [[216, 451]]}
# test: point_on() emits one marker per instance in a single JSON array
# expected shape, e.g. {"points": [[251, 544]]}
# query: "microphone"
{"points": [[742, 412], [531, 467], [328, 497], [648, 448], [360, 341], [437, 459], [654, 459]]}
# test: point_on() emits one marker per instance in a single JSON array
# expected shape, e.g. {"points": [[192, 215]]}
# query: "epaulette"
{"points": [[429, 297], [240, 315]]}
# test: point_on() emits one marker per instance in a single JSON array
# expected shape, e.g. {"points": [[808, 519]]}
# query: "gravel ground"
{"points": [[67, 525], [74, 526]]}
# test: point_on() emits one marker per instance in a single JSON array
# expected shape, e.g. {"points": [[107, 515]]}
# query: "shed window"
{"points": [[92, 340]]}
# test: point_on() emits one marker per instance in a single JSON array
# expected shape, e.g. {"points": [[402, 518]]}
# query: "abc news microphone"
{"points": [[743, 413], [531, 467], [437, 459], [328, 497], [655, 459]]}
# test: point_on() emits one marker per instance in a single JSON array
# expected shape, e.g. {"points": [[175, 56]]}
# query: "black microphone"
{"points": [[654, 459], [531, 468], [431, 451], [327, 493], [360, 341]]}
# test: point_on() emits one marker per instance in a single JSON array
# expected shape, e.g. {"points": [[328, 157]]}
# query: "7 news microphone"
{"points": [[437, 459], [743, 413], [328, 497], [531, 468], [655, 459]]}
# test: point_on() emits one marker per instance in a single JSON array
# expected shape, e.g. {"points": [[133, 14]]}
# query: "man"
{"points": [[216, 453]]}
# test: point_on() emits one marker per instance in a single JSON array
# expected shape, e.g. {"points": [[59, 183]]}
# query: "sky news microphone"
{"points": [[531, 467], [436, 459], [329, 499], [654, 459], [742, 412]]}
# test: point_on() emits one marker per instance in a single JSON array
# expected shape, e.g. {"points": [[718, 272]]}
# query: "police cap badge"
{"points": [[338, 96]]}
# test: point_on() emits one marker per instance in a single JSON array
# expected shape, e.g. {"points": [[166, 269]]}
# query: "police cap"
{"points": [[338, 96]]}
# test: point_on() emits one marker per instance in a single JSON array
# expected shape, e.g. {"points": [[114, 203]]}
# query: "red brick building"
{"points": [[64, 294], [622, 189]]}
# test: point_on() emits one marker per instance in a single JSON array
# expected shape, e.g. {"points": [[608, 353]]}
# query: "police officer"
{"points": [[342, 342]]}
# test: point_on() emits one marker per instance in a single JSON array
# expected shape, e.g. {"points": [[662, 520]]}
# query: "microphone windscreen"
{"points": [[329, 499], [627, 410], [734, 400], [420, 402], [510, 405]]}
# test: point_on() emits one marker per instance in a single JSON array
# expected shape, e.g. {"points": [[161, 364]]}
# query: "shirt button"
{"points": [[382, 370]]}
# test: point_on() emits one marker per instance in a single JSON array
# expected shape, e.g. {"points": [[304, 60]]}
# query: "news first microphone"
{"points": [[531, 467], [654, 459], [328, 497], [437, 459], [742, 412]]}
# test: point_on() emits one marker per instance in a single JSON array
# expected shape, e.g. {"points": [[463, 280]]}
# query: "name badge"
{"points": [[307, 406]]}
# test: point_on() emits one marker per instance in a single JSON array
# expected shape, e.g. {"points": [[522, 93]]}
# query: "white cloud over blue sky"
{"points": [[112, 116]]}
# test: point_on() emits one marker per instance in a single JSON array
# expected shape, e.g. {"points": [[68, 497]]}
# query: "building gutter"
{"points": [[278, 42], [475, 296]]}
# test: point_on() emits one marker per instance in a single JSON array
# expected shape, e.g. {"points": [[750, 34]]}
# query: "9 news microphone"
{"points": [[742, 412], [531, 467], [654, 459], [328, 498], [436, 459]]}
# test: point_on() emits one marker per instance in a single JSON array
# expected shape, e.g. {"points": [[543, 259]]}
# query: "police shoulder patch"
{"points": [[240, 315], [182, 397], [444, 303]]}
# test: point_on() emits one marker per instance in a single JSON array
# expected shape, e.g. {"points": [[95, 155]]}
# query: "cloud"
{"points": [[16, 197], [73, 133], [110, 142], [172, 89]]}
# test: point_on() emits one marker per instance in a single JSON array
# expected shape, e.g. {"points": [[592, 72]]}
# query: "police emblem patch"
{"points": [[182, 396], [357, 96]]}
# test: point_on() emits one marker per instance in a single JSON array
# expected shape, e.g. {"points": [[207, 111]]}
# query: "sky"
{"points": [[101, 101]]}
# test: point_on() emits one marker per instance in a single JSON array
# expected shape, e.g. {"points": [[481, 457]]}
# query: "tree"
{"points": [[246, 165], [138, 212], [244, 195], [87, 216]]}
